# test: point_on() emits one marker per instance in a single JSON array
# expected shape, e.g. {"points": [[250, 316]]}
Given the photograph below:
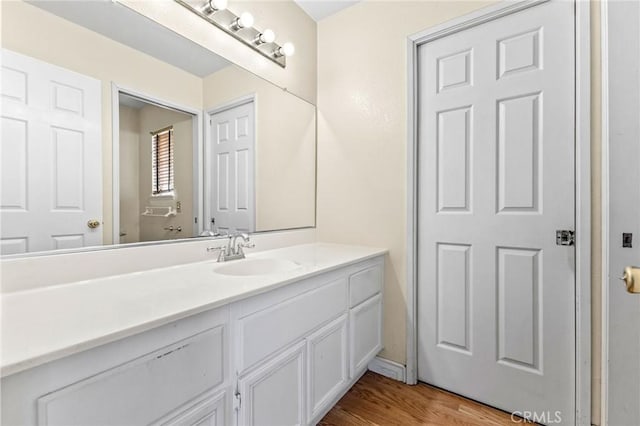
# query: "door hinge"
{"points": [[237, 401], [564, 237], [237, 398]]}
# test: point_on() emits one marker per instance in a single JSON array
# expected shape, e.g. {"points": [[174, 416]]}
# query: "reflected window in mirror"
{"points": [[162, 153]]}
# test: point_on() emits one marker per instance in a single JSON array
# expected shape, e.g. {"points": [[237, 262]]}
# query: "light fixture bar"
{"points": [[236, 26]]}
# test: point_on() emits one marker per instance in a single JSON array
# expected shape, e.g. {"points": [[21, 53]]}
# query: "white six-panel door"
{"points": [[51, 157], [232, 168], [622, 358], [496, 309]]}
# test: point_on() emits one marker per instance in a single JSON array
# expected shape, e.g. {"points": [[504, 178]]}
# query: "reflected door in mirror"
{"points": [[51, 157], [232, 168]]}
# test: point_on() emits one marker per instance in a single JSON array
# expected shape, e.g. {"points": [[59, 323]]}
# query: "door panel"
{"points": [[496, 312], [623, 362], [232, 159], [51, 157]]}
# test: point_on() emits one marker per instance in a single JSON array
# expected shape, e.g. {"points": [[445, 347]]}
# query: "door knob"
{"points": [[631, 278], [93, 224]]}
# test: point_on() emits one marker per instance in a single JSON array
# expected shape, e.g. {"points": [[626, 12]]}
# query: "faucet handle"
{"points": [[247, 245], [223, 252]]}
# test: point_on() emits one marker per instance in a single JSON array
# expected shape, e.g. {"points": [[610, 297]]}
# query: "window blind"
{"points": [[162, 160]]}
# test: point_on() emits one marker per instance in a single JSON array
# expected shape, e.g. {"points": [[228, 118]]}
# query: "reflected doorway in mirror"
{"points": [[152, 182]]}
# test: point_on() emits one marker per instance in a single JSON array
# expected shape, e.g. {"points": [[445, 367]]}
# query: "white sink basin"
{"points": [[248, 267]]}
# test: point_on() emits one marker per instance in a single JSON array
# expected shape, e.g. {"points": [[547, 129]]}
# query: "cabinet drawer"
{"points": [[364, 284], [365, 333], [266, 331], [143, 390]]}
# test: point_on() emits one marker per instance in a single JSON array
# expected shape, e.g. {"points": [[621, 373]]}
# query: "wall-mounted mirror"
{"points": [[117, 130]]}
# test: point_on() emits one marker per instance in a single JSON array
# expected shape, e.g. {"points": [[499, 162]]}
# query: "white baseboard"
{"points": [[387, 368]]}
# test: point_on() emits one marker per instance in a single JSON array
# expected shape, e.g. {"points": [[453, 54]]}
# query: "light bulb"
{"points": [[287, 49], [244, 21], [267, 36], [217, 5]]}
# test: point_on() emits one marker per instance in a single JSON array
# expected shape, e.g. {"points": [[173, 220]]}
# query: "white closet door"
{"points": [[623, 349], [51, 157], [232, 165], [496, 297]]}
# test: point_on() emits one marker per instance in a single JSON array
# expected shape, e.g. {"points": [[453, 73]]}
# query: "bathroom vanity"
{"points": [[274, 339]]}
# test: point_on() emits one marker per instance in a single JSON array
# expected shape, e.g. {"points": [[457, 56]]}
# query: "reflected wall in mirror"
{"points": [[285, 147], [91, 182]]}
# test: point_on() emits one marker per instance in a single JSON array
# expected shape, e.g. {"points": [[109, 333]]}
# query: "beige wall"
{"points": [[362, 142], [285, 147], [129, 174], [153, 118], [285, 18], [31, 31]]}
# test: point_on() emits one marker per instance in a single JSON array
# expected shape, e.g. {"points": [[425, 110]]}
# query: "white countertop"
{"points": [[49, 323]]}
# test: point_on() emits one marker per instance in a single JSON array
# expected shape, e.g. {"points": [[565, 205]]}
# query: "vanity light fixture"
{"points": [[267, 36], [287, 49], [241, 28], [216, 5], [245, 20]]}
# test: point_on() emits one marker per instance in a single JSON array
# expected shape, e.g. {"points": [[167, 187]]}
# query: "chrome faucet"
{"points": [[234, 237], [233, 250]]}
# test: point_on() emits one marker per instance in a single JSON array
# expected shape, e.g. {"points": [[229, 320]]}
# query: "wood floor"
{"points": [[377, 400]]}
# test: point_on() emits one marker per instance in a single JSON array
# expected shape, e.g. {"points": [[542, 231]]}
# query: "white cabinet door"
{"points": [[274, 394], [328, 366], [51, 151], [365, 333]]}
